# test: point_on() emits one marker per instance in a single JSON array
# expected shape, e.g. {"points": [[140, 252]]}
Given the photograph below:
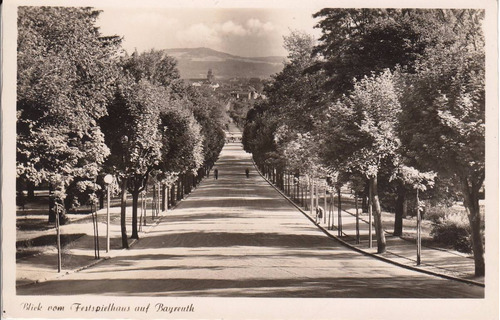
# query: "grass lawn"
{"points": [[409, 224]]}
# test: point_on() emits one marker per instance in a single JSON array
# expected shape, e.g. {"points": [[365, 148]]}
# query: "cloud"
{"points": [[204, 35], [259, 27], [198, 35], [229, 27], [224, 33], [252, 27]]}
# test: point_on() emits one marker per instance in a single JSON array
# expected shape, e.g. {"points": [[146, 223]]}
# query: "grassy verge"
{"points": [[410, 223]]}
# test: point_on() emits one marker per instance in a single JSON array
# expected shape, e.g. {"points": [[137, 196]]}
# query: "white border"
{"points": [[257, 308]]}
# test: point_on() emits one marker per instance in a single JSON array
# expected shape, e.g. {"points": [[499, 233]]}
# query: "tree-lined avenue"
{"points": [[238, 237]]}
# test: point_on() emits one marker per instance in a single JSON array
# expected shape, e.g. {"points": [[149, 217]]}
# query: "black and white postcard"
{"points": [[249, 159]]}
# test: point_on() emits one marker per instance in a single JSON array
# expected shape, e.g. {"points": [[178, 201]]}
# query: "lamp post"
{"points": [[419, 231], [108, 179], [58, 230]]}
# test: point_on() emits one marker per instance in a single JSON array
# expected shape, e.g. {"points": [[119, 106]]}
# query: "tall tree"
{"points": [[361, 134], [211, 116], [156, 66], [277, 131], [182, 142], [357, 42], [443, 119], [157, 133], [136, 142], [65, 75]]}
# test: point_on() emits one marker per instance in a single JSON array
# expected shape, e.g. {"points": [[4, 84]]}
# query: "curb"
{"points": [[58, 276], [346, 244]]}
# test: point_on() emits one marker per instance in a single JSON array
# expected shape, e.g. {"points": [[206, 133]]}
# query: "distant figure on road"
{"points": [[319, 214], [216, 174], [247, 172]]}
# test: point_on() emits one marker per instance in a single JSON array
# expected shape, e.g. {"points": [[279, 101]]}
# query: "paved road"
{"points": [[237, 237]]}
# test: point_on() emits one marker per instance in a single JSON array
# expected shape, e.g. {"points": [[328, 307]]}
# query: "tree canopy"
{"points": [[85, 108], [66, 72]]}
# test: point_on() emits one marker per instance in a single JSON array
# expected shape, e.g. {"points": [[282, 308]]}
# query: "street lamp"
{"points": [[108, 179]]}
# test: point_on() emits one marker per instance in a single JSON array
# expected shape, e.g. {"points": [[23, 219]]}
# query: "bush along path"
{"points": [[403, 252]]}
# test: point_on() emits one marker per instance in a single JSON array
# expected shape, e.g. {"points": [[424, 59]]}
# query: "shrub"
{"points": [[438, 213], [453, 230]]}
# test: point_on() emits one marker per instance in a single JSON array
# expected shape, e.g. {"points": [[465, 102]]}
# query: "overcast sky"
{"points": [[243, 32]]}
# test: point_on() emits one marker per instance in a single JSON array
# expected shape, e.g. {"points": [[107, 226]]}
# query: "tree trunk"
{"points": [[405, 207], [183, 183], [178, 188], [398, 216], [325, 204], [154, 202], [158, 196], [285, 181], [281, 179], [52, 202], [471, 204], [370, 215], [331, 214], [357, 217], [135, 202], [377, 216], [167, 203], [123, 215], [172, 195], [339, 207], [31, 191], [316, 194], [311, 189], [301, 192], [101, 200], [164, 198], [365, 195]]}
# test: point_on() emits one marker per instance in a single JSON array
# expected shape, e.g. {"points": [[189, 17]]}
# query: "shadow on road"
{"points": [[345, 287]]}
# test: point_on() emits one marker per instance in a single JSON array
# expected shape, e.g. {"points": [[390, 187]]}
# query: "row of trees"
{"points": [[386, 98], [85, 108]]}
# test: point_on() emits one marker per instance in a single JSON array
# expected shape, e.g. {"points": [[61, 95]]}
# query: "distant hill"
{"points": [[195, 62]]}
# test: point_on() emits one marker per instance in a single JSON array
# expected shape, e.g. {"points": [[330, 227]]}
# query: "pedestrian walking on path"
{"points": [[319, 214], [216, 174], [247, 172]]}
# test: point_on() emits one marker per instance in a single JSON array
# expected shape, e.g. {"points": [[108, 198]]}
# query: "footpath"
{"points": [[37, 262], [402, 252]]}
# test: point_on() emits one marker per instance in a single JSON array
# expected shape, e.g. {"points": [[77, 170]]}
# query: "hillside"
{"points": [[195, 62]]}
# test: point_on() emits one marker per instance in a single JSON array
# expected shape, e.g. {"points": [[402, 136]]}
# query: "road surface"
{"points": [[237, 237]]}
